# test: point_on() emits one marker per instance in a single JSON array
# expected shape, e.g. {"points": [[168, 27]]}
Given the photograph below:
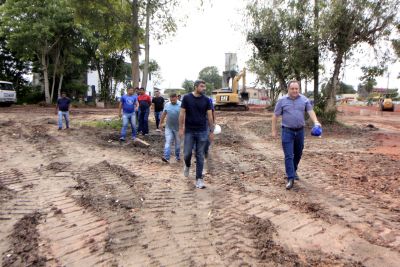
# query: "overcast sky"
{"points": [[216, 29]]}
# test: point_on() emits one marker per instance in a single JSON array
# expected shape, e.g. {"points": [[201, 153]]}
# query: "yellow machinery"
{"points": [[229, 98], [386, 103]]}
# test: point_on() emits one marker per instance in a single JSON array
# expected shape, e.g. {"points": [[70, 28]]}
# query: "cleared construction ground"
{"points": [[79, 198]]}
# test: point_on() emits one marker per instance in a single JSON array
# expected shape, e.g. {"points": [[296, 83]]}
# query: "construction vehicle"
{"points": [[386, 103], [229, 98]]}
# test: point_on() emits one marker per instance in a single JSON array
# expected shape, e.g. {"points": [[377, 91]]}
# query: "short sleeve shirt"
{"points": [[292, 110], [128, 103], [158, 103], [196, 111], [172, 111], [63, 103]]}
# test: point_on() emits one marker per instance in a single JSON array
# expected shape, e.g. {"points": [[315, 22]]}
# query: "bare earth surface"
{"points": [[80, 198]]}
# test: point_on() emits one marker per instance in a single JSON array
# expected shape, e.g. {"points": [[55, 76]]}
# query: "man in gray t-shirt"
{"points": [[292, 108], [171, 112]]}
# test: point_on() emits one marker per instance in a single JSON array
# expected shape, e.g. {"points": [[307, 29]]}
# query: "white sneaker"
{"points": [[158, 130], [186, 171], [200, 184]]}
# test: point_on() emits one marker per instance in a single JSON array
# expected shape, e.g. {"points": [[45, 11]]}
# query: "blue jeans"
{"points": [[62, 114], [128, 118], [293, 144], [172, 135], [199, 139], [157, 116], [144, 120]]}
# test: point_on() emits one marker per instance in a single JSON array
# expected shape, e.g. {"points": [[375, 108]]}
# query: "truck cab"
{"points": [[8, 96]]}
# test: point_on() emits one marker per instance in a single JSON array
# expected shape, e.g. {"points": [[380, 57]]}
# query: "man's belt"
{"points": [[293, 129]]}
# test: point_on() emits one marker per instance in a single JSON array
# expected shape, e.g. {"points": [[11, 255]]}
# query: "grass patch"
{"points": [[104, 124]]}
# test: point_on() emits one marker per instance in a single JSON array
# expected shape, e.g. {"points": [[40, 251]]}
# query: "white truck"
{"points": [[8, 96]]}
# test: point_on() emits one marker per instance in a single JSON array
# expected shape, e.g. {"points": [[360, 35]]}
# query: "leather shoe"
{"points": [[289, 185]]}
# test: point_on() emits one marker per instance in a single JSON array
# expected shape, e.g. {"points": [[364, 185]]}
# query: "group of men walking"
{"points": [[135, 108], [193, 120]]}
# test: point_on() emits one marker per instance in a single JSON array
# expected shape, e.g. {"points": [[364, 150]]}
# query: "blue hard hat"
{"points": [[316, 130]]}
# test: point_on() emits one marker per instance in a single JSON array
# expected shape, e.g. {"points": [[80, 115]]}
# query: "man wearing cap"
{"points": [[195, 114], [292, 108]]}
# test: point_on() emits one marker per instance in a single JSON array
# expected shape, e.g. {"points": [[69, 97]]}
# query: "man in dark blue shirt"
{"points": [[62, 109], [195, 114], [129, 106]]}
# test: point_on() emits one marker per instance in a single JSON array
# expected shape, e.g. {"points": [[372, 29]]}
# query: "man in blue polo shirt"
{"points": [[128, 104], [195, 114], [292, 108]]}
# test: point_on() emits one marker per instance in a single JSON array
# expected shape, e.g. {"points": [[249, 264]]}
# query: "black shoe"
{"points": [[290, 184], [296, 177], [122, 139], [165, 160]]}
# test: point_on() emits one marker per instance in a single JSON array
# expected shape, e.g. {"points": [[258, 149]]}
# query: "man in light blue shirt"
{"points": [[292, 108], [171, 112], [128, 104]]}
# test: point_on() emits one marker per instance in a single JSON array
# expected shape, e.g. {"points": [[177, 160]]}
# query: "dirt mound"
{"points": [[263, 231], [24, 239], [5, 193], [7, 123], [57, 166], [114, 194], [228, 137]]}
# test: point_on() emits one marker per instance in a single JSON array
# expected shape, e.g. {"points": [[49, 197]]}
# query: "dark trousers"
{"points": [[198, 139], [292, 144], [144, 120], [157, 116]]}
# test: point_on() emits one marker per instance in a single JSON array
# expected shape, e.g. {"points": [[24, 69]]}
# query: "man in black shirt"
{"points": [[195, 114], [62, 109], [158, 102]]}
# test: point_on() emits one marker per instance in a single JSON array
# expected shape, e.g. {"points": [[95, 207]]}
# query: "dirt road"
{"points": [[79, 198]]}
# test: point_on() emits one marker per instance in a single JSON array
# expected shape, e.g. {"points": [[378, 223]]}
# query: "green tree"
{"points": [[283, 37], [212, 78], [154, 71], [33, 28], [107, 35], [266, 78], [346, 24], [368, 80], [343, 88], [11, 68], [188, 85]]}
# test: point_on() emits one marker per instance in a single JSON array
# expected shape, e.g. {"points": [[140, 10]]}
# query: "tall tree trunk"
{"points": [[147, 46], [316, 50], [305, 86], [60, 84], [45, 76], [53, 85], [135, 43], [331, 101]]}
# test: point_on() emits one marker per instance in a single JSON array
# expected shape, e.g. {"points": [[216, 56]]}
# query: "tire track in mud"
{"points": [[176, 221], [64, 232]]}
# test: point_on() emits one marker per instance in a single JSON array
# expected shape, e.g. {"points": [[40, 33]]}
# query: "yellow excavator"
{"points": [[229, 98]]}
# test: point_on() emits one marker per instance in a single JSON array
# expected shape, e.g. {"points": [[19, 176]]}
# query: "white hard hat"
{"points": [[217, 129]]}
